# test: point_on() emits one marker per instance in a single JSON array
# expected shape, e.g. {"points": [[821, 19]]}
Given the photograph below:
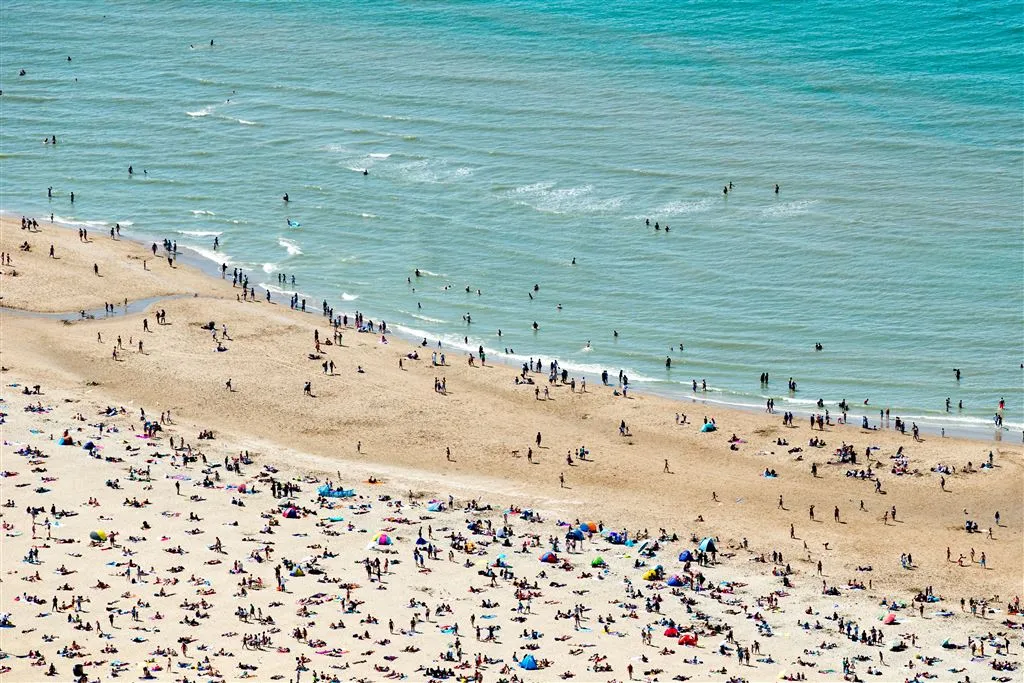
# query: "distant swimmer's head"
{"points": [[366, 172]]}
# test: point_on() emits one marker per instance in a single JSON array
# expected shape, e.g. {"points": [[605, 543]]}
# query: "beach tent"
{"points": [[290, 513], [889, 619], [674, 581], [708, 545], [297, 571], [529, 662], [421, 541], [549, 557], [597, 562], [708, 427], [383, 539], [616, 538], [328, 492], [650, 575], [671, 632], [66, 441], [435, 506], [89, 445], [688, 639], [685, 556], [98, 535], [588, 527], [575, 535]]}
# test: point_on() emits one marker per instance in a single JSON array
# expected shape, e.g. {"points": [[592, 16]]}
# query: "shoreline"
{"points": [[929, 424], [384, 433]]}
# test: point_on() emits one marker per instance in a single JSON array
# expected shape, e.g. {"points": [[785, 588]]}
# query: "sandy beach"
{"points": [[828, 568]]}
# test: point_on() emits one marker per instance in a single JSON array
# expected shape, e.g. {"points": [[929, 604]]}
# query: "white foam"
{"points": [[205, 111], [291, 246], [246, 123], [345, 296], [269, 267], [427, 318], [368, 215], [789, 208], [547, 198], [200, 233], [81, 224], [200, 212], [215, 256], [379, 155], [681, 208]]}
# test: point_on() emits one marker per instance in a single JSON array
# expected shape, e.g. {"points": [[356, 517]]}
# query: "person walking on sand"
{"points": [[227, 385], [561, 480], [666, 470], [538, 439], [835, 514], [811, 512]]}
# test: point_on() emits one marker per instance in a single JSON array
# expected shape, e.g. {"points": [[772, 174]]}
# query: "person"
{"points": [[666, 470], [561, 480], [285, 197]]}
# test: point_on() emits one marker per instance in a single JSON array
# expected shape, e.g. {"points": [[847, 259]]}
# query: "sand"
{"points": [[389, 423]]}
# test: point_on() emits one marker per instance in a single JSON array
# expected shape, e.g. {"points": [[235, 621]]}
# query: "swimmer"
{"points": [[366, 172], [776, 188], [285, 197], [535, 326]]}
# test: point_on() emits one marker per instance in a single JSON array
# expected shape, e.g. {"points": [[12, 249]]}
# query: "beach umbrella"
{"points": [[98, 535], [383, 539]]}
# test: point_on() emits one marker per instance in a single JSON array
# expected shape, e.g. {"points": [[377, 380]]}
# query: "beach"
{"points": [[822, 541]]}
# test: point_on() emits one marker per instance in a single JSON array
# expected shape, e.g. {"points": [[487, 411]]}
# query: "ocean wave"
{"points": [[246, 123], [682, 208], [291, 246], [200, 233], [81, 224], [345, 296], [200, 212], [379, 155], [269, 267], [546, 197], [215, 256], [427, 318], [789, 208], [205, 111]]}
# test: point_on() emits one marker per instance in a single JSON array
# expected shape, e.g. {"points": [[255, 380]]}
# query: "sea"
{"points": [[565, 163]]}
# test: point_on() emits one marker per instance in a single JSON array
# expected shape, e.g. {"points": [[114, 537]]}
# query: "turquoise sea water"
{"points": [[505, 138]]}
